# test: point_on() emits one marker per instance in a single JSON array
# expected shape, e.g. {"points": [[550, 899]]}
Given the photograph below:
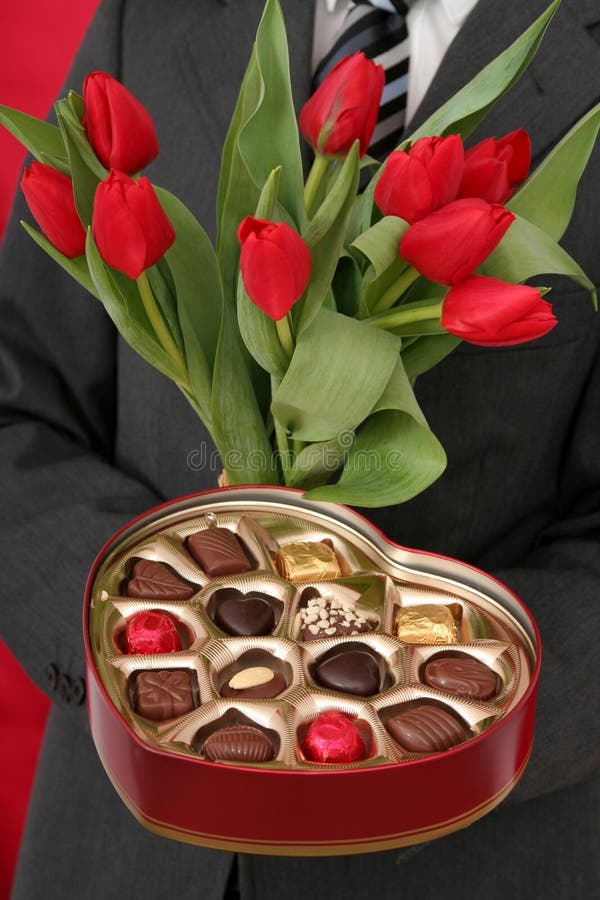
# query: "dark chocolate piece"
{"points": [[156, 581], [426, 729], [325, 618], [351, 669], [334, 737], [244, 615], [219, 551], [164, 693], [465, 677], [238, 743]]}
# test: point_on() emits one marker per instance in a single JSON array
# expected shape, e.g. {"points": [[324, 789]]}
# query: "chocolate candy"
{"points": [[156, 581], [352, 669], [219, 551], [324, 618], [256, 675], [426, 729], [430, 623], [334, 738], [239, 743], [307, 561], [164, 693], [463, 676], [244, 615], [151, 632]]}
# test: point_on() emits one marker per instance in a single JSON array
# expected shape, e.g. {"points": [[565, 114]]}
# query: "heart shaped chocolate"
{"points": [[244, 615], [352, 670]]}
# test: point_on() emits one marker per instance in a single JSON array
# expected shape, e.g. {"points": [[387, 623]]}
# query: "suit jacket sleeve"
{"points": [[62, 496]]}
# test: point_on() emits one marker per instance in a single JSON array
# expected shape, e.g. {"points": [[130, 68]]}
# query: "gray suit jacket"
{"points": [[91, 436]]}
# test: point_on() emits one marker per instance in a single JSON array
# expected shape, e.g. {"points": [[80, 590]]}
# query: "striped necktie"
{"points": [[378, 28]]}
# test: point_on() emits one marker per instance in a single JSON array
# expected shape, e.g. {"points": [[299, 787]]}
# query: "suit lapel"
{"points": [[566, 66]]}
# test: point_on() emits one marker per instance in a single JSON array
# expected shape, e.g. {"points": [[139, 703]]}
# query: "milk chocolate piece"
{"points": [[164, 693], [351, 669], [331, 617], [426, 729], [334, 737], [238, 743], [219, 551], [151, 631], [156, 581], [463, 676], [307, 561], [430, 623], [244, 615]]}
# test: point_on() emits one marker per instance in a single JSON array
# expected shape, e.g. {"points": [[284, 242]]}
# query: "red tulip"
{"points": [[449, 244], [275, 265], [415, 184], [344, 107], [494, 168], [49, 196], [493, 313], [118, 127], [130, 227]]}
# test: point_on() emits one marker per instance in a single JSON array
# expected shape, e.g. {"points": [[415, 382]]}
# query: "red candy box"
{"points": [[248, 650]]}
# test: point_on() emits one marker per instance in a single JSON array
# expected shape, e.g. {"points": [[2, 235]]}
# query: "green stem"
{"points": [[402, 316], [395, 290], [158, 323], [281, 438], [315, 176], [285, 335]]}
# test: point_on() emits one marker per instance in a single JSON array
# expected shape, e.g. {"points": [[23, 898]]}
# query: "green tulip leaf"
{"points": [[237, 424], [317, 463], [338, 371], [43, 140], [85, 181], [324, 236], [77, 268], [195, 272], [69, 122], [265, 107], [526, 250], [118, 296], [346, 286], [547, 198], [379, 244], [395, 455], [165, 294]]}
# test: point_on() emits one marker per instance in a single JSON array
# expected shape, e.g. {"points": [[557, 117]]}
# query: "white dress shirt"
{"points": [[432, 26]]}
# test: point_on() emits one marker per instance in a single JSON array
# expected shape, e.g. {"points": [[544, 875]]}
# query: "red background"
{"points": [[38, 39]]}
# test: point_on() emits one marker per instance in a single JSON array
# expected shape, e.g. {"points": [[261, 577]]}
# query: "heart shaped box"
{"points": [[302, 811]]}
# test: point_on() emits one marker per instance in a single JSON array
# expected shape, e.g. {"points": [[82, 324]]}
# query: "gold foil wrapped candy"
{"points": [[429, 623], [307, 561]]}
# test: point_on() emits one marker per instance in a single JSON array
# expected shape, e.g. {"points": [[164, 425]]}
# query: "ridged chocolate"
{"points": [[461, 676], [350, 670], [238, 743], [163, 694], [426, 729], [153, 580], [219, 551]]}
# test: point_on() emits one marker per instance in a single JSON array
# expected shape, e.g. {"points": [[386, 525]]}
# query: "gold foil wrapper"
{"points": [[307, 561], [430, 623]]}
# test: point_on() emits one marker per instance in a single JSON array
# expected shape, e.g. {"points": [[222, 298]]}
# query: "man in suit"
{"points": [[91, 436]]}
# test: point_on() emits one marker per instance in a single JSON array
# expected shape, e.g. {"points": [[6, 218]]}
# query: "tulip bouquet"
{"points": [[299, 337]]}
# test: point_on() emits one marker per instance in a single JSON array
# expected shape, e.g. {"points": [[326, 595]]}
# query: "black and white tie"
{"points": [[378, 28]]}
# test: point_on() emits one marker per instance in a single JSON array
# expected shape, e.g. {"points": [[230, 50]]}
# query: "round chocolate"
{"points": [[350, 669], [426, 729], [238, 743], [463, 676], [151, 632], [333, 738], [244, 615]]}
